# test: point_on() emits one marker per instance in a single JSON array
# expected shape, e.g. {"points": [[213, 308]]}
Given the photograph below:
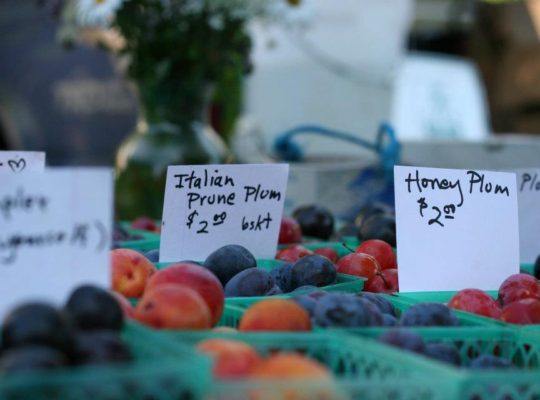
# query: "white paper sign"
{"points": [[528, 181], [456, 229], [56, 230], [210, 206], [19, 161]]}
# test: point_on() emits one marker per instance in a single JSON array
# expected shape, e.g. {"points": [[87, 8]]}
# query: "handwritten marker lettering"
{"points": [[529, 181], [207, 207], [456, 228], [16, 162], [474, 181]]}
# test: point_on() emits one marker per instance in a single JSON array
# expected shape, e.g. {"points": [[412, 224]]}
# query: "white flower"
{"points": [[96, 12]]}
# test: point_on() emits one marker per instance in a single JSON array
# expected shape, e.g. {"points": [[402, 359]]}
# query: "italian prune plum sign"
{"points": [[456, 229], [528, 182], [210, 206], [21, 161], [56, 233]]}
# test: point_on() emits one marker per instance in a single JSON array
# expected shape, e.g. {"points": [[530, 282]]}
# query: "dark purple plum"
{"points": [[443, 352], [31, 358], [488, 361], [404, 339], [374, 315], [313, 270], [274, 291], [429, 314], [89, 307], [100, 347], [37, 324], [379, 226], [152, 255], [315, 221], [308, 303], [389, 320], [382, 303], [282, 276], [342, 310], [228, 261], [250, 282]]}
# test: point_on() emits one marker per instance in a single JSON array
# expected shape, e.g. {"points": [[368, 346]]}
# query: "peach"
{"points": [[275, 315], [127, 308], [290, 365], [130, 272], [174, 306], [197, 278], [232, 358], [283, 366]]}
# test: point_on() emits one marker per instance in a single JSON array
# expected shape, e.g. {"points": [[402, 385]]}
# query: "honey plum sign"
{"points": [[210, 206], [455, 229]]}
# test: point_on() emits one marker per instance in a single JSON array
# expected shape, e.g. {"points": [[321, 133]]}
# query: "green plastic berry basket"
{"points": [[521, 348], [149, 241], [161, 370], [361, 369], [444, 297]]}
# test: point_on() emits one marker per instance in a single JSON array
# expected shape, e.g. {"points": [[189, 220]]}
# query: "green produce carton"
{"points": [[161, 370], [521, 348], [361, 369]]}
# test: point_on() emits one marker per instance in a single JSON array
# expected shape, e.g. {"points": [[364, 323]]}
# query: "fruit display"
{"points": [[516, 302], [307, 366], [235, 359], [323, 320], [334, 310], [373, 260]]}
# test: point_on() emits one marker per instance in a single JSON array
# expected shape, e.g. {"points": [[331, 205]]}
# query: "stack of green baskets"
{"points": [[444, 297], [160, 370], [521, 347], [362, 369]]}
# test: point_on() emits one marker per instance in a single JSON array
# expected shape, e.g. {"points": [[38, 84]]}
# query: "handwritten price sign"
{"points": [[455, 228], [22, 161], [529, 214], [207, 207], [56, 229], [473, 182]]}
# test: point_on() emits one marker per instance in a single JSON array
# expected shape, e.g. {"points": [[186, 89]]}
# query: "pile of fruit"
{"points": [[86, 331], [340, 310], [234, 359], [374, 260], [447, 353], [313, 222], [518, 301]]}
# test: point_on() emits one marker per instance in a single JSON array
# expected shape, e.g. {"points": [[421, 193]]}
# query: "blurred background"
{"points": [[457, 80]]}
